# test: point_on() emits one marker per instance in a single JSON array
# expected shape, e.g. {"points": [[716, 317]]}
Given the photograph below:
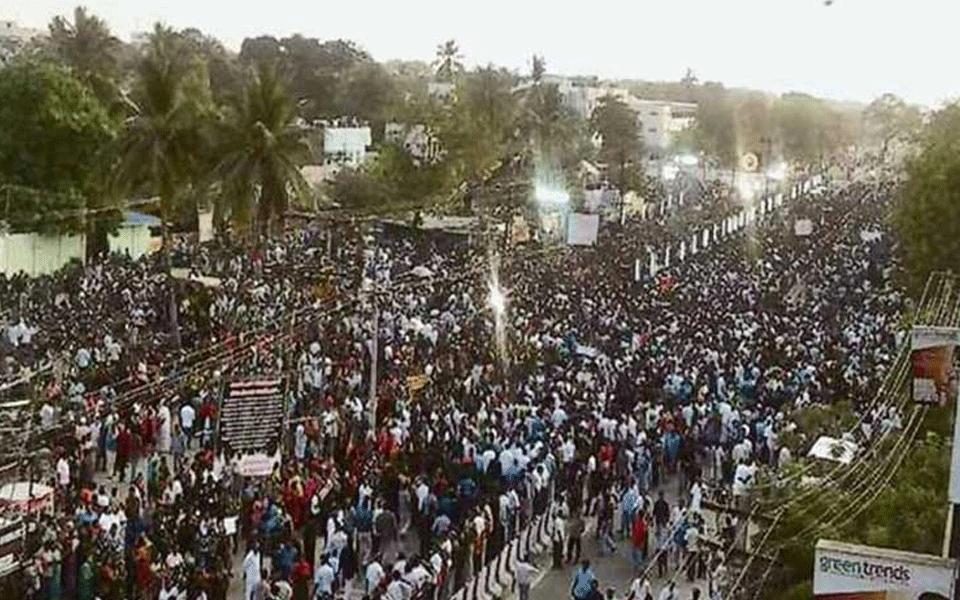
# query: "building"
{"points": [[346, 141], [14, 38], [416, 139], [659, 121], [440, 90]]}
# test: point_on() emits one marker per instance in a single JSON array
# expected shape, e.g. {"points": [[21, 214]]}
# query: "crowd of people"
{"points": [[602, 389]]}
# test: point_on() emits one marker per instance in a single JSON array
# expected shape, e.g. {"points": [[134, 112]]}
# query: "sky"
{"points": [[850, 50]]}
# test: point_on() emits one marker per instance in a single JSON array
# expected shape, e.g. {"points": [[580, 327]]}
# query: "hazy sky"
{"points": [[854, 49]]}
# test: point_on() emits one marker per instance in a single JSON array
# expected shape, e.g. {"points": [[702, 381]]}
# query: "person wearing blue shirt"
{"points": [[583, 579]]}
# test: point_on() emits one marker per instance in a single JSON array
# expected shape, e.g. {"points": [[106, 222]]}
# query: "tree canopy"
{"points": [[927, 216], [52, 130]]}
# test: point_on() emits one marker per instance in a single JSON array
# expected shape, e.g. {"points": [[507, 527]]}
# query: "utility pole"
{"points": [[375, 334]]}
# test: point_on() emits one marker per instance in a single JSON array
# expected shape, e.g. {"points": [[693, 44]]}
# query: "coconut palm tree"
{"points": [[88, 47], [262, 151], [162, 142], [448, 62]]}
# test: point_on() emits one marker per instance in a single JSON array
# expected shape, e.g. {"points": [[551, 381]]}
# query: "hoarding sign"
{"points": [[582, 229], [931, 363], [851, 572]]}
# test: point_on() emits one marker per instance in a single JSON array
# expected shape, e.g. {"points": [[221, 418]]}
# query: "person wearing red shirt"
{"points": [[639, 539], [300, 578]]}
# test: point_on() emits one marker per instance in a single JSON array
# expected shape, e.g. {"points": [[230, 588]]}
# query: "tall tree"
{"points": [[262, 153], [890, 118], [367, 91], [449, 61], [51, 131], [538, 69], [87, 46], [927, 216], [620, 146], [162, 142]]}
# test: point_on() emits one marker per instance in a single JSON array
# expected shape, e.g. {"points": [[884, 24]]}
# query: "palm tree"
{"points": [[162, 141], [262, 152], [448, 61], [88, 47]]}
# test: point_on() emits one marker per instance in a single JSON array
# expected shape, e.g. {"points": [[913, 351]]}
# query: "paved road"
{"points": [[614, 571]]}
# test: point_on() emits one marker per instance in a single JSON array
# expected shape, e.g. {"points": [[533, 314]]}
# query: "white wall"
{"points": [[36, 254], [134, 240], [352, 142]]}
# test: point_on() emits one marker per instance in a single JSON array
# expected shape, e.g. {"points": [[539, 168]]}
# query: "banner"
{"points": [[852, 572], [582, 229], [802, 227], [931, 361], [258, 465]]}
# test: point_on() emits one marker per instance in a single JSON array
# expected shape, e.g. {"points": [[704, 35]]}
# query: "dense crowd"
{"points": [[589, 392]]}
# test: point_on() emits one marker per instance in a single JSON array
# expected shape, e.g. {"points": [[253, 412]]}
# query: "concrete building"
{"points": [[346, 141], [14, 38], [416, 139], [440, 90], [659, 121]]}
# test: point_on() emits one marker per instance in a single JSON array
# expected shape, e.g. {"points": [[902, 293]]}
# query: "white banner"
{"points": [[258, 465], [693, 244], [846, 570], [706, 238], [582, 229], [802, 227]]}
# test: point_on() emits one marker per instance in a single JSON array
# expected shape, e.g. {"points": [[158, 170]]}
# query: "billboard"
{"points": [[802, 227], [851, 572], [582, 229], [931, 364]]}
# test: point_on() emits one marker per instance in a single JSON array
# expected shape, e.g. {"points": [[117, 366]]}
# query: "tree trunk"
{"points": [[171, 284]]}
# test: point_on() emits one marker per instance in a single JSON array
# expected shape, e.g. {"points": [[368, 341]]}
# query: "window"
{"points": [[652, 130], [653, 113]]}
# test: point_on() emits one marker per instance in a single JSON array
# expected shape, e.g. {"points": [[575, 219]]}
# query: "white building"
{"points": [[416, 139], [13, 38], [440, 90], [346, 142], [659, 121]]}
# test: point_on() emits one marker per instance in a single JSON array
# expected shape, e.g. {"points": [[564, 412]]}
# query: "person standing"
{"points": [[251, 571], [639, 539], [525, 571], [557, 537], [575, 529], [583, 582], [187, 417]]}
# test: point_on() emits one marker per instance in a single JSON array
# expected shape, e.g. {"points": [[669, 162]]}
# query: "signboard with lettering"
{"points": [[931, 360], [258, 464], [850, 572]]}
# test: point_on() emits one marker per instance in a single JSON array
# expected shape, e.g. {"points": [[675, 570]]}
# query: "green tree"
{"points": [[449, 61], [715, 131], [52, 129], [616, 124], [358, 188], [222, 67], [927, 215], [367, 91], [160, 148], [262, 152], [539, 69], [890, 118], [87, 46]]}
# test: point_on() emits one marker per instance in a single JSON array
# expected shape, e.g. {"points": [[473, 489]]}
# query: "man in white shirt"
{"points": [[187, 417], [63, 473], [525, 572], [374, 575], [251, 572], [323, 580]]}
